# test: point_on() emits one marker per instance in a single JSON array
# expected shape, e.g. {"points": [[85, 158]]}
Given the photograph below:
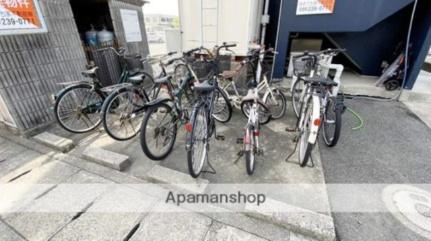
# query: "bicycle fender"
{"points": [[73, 85], [314, 130]]}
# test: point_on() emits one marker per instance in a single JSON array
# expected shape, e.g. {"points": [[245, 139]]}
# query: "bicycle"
{"points": [[202, 126], [320, 108], [273, 97], [77, 107], [124, 108], [163, 115]]}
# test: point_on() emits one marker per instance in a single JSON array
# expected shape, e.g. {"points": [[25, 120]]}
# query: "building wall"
{"points": [[32, 65]]}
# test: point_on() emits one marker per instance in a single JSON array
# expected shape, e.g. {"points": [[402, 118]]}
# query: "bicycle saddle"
{"points": [[204, 87], [228, 74], [163, 80], [137, 79], [90, 72], [317, 80]]}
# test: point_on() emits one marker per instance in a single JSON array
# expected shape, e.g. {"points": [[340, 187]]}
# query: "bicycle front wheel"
{"points": [[158, 132], [250, 150], [77, 109], [332, 123], [296, 91], [263, 111], [122, 113], [305, 147], [197, 142]]}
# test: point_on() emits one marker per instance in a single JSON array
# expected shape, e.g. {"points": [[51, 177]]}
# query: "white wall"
{"points": [[212, 22]]}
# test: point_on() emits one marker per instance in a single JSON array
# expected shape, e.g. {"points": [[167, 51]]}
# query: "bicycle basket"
{"points": [[133, 63], [302, 66]]}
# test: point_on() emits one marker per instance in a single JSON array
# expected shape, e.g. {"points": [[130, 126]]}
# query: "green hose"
{"points": [[361, 121]]}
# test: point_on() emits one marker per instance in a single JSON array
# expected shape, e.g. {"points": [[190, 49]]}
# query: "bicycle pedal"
{"points": [[240, 141], [295, 139], [290, 129], [220, 138]]}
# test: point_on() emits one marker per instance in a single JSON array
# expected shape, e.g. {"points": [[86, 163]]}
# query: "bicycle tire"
{"points": [[305, 148], [296, 94], [250, 154], [262, 120], [191, 144], [109, 107], [143, 134], [331, 139], [63, 95], [228, 106], [275, 115]]}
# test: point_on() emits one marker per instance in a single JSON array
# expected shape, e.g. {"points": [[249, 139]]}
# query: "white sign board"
{"points": [[132, 28], [311, 7], [21, 17]]}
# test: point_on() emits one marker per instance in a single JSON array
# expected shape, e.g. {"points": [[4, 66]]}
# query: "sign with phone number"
{"points": [[21, 17], [311, 7]]}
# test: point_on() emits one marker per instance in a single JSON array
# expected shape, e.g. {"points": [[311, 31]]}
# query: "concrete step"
{"points": [[57, 142], [107, 158], [178, 179], [306, 222]]}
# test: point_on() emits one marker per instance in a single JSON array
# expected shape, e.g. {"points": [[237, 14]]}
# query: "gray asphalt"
{"points": [[393, 147]]}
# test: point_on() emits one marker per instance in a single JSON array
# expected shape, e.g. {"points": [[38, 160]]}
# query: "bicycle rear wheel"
{"points": [[77, 109], [197, 142], [296, 91], [332, 123], [276, 104], [122, 113], [158, 132], [305, 148], [222, 106]]}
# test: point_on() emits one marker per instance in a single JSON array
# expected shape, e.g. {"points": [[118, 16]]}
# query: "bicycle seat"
{"points": [[204, 87], [90, 72], [163, 80], [317, 80], [228, 74], [137, 79]]}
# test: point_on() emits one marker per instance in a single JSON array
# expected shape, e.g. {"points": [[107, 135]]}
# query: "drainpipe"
{"points": [[264, 22]]}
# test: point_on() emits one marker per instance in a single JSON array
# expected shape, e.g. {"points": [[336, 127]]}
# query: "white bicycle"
{"points": [[319, 104], [271, 96]]}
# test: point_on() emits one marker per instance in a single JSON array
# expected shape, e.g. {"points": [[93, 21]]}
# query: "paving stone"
{"points": [[252, 225], [6, 233], [9, 164], [50, 173], [299, 237], [172, 224], [177, 179], [10, 149], [107, 158], [110, 217], [45, 216], [105, 172], [297, 219], [34, 163], [223, 232], [54, 141]]}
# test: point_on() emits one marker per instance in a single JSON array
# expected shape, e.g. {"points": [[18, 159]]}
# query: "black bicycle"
{"points": [[170, 109], [77, 107], [202, 127], [124, 108]]}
